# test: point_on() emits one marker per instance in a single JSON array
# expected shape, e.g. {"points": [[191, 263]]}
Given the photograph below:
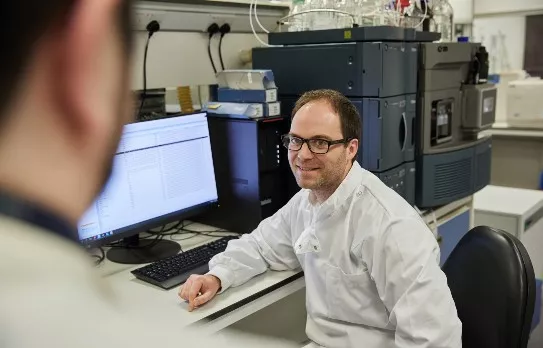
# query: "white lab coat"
{"points": [[51, 297], [371, 267]]}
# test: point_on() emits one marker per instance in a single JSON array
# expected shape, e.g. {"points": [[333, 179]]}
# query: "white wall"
{"points": [[180, 59], [487, 7], [503, 37], [500, 25], [463, 11]]}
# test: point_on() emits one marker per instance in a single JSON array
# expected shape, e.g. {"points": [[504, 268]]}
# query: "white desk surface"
{"points": [[506, 130], [227, 308], [508, 200], [445, 210]]}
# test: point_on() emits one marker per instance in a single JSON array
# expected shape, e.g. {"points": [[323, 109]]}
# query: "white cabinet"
{"points": [[517, 211]]}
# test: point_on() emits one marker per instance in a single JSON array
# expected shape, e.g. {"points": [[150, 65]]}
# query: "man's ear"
{"points": [[352, 148], [81, 51]]}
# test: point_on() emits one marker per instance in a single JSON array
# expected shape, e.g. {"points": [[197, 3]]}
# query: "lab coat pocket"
{"points": [[353, 298]]}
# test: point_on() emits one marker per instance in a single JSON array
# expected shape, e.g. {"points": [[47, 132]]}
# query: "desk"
{"points": [[225, 310], [453, 221], [235, 304]]}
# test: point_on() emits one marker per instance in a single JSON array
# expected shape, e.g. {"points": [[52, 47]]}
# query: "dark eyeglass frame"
{"points": [[307, 141]]}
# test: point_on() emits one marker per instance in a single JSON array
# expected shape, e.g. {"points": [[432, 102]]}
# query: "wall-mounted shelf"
{"points": [[197, 15], [266, 3]]}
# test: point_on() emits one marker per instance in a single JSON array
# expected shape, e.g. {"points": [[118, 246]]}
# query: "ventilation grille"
{"points": [[452, 179], [483, 169]]}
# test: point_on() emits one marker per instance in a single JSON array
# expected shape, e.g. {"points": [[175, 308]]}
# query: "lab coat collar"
{"points": [[340, 195]]}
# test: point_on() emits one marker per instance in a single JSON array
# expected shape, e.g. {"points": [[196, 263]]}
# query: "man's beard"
{"points": [[331, 177], [334, 177]]}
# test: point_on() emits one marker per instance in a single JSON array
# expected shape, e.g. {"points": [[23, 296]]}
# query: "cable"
{"points": [[258, 20], [144, 93], [174, 229], [164, 229], [210, 56], [253, 26], [210, 233], [425, 13], [214, 231], [186, 238], [220, 52], [212, 30], [224, 29], [100, 258], [152, 28], [203, 233]]}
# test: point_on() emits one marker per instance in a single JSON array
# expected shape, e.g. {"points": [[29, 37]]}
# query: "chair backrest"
{"points": [[492, 282]]}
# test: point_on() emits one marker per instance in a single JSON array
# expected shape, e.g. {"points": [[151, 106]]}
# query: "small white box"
{"points": [[517, 211], [525, 103]]}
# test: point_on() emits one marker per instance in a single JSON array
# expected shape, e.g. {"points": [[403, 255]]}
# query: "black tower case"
{"points": [[250, 166]]}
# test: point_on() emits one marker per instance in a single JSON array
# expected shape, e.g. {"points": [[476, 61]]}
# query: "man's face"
{"points": [[313, 171], [107, 80], [124, 109]]}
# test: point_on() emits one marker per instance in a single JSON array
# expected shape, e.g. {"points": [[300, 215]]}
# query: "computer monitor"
{"points": [[162, 172]]}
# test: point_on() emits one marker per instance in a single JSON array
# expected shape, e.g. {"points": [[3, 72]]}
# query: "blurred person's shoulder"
{"points": [[51, 296]]}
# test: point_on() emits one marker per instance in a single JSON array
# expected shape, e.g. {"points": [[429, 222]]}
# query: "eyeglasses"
{"points": [[316, 145]]}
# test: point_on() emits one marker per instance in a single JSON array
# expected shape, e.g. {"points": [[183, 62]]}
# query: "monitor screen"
{"points": [[162, 172]]}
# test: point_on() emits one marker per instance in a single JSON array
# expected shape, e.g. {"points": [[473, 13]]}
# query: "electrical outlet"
{"points": [[143, 17]]}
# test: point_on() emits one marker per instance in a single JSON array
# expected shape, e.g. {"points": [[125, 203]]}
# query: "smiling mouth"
{"points": [[306, 169]]}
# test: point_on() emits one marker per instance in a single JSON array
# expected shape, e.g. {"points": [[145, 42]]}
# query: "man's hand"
{"points": [[199, 289]]}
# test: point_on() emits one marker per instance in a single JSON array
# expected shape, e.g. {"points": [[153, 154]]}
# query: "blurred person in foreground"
{"points": [[64, 98]]}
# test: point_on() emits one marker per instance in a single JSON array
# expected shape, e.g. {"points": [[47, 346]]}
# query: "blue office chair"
{"points": [[493, 285]]}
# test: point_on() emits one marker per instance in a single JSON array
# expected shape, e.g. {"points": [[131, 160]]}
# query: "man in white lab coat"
{"points": [[64, 96], [371, 265]]}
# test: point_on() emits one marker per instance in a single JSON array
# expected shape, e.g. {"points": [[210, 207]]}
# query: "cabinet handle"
{"points": [[405, 131]]}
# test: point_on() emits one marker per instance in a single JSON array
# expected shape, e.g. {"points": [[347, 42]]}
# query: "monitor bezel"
{"points": [[141, 227]]}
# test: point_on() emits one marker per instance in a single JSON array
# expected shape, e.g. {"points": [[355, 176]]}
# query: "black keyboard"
{"points": [[176, 269]]}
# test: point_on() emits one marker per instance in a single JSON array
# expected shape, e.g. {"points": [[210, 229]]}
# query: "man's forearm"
{"points": [[240, 262]]}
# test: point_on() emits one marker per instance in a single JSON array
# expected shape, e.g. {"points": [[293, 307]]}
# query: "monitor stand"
{"points": [[134, 250]]}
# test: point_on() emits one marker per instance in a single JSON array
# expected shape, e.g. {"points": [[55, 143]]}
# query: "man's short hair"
{"points": [[351, 124], [23, 23]]}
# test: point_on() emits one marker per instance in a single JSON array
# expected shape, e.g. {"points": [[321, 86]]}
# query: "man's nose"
{"points": [[304, 152]]}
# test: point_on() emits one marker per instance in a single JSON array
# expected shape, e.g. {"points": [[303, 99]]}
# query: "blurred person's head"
{"points": [[323, 140], [64, 97]]}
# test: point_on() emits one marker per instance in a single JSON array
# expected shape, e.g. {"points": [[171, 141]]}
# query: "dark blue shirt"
{"points": [[33, 214]]}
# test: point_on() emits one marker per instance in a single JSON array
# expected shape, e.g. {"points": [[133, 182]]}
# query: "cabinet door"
{"points": [[369, 151], [394, 134], [532, 239], [410, 119], [394, 65], [450, 233]]}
